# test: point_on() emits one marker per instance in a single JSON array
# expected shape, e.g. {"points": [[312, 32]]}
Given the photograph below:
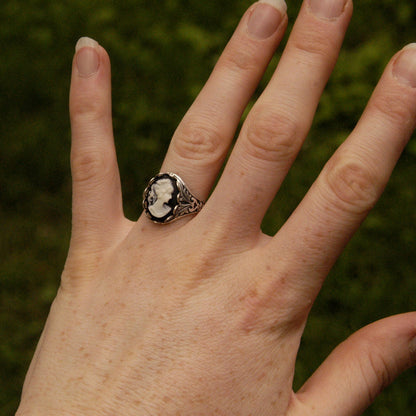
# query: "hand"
{"points": [[204, 316]]}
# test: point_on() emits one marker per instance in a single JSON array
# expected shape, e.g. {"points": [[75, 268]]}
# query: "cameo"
{"points": [[161, 197]]}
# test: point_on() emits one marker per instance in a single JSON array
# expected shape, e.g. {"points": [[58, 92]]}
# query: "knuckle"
{"points": [[89, 165], [382, 370], [199, 142], [240, 59], [258, 305], [318, 44], [88, 108], [352, 185], [377, 372], [82, 265], [393, 107], [272, 138]]}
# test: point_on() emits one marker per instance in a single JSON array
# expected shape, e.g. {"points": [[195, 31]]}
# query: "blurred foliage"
{"points": [[162, 52]]}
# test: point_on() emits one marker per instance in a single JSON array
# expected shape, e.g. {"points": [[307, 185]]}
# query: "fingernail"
{"points": [[266, 18], [87, 58], [328, 9], [404, 68]]}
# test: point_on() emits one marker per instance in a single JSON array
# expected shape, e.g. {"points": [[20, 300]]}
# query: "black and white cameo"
{"points": [[160, 197]]}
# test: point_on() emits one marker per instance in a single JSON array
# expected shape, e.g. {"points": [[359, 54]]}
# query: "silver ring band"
{"points": [[167, 198]]}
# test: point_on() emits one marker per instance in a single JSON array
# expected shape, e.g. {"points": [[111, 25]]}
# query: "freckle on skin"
{"points": [[253, 293], [261, 376]]}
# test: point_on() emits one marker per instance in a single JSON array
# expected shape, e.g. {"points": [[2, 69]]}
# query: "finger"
{"points": [[202, 139], [359, 369], [277, 125], [97, 205], [352, 180]]}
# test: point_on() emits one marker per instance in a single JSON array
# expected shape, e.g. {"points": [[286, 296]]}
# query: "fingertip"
{"points": [[91, 79], [278, 4], [90, 59], [87, 57], [265, 18], [84, 42], [404, 67]]}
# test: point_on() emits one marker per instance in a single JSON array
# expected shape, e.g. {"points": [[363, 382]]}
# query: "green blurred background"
{"points": [[162, 52]]}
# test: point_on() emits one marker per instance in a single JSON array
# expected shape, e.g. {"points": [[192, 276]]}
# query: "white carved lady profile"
{"points": [[160, 194]]}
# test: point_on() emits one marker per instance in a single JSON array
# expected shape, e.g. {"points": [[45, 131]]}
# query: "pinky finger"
{"points": [[97, 203], [359, 369]]}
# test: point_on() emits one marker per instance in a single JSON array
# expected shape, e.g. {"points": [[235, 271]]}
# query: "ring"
{"points": [[167, 198]]}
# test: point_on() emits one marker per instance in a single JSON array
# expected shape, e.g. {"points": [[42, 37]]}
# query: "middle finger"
{"points": [[201, 142], [278, 123]]}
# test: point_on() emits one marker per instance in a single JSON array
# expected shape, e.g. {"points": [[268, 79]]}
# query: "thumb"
{"points": [[359, 369]]}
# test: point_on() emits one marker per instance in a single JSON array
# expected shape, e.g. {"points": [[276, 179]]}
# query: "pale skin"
{"points": [[204, 316]]}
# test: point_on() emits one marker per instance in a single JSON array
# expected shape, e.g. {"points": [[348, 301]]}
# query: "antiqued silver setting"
{"points": [[167, 198]]}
